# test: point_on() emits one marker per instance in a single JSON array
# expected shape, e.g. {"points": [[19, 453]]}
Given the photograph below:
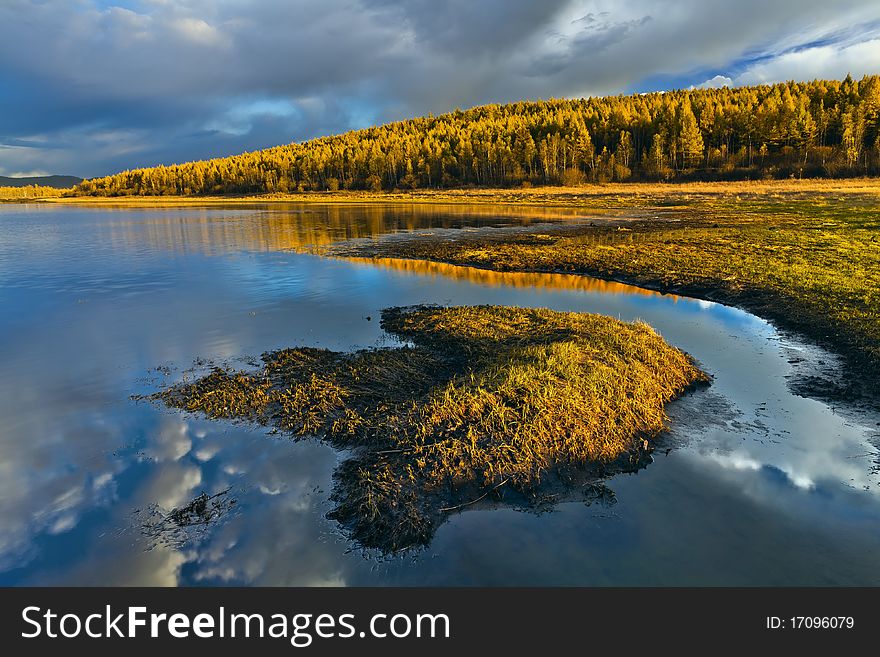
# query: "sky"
{"points": [[92, 87]]}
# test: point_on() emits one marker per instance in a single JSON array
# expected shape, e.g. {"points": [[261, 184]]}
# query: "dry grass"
{"points": [[482, 397], [603, 196]]}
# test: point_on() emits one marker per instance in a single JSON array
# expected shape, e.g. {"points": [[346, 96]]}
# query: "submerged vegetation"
{"points": [[478, 401], [819, 128], [184, 525], [808, 260]]}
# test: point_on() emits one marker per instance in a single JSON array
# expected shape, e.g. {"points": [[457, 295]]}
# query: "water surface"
{"points": [[758, 487]]}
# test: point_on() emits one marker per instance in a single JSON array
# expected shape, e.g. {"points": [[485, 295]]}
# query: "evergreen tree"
{"points": [[690, 137]]}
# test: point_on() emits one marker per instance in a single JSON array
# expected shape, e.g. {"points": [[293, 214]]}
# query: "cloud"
{"points": [[717, 82], [198, 31], [828, 61], [88, 89]]}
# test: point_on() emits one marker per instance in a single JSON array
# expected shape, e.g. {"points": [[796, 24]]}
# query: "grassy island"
{"points": [[476, 401]]}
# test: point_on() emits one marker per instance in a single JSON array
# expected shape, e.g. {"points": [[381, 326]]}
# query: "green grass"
{"points": [[480, 398]]}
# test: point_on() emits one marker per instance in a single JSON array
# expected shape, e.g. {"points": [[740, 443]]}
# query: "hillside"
{"points": [[821, 128], [58, 182]]}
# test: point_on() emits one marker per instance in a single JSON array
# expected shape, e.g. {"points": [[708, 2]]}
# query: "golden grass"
{"points": [[802, 257], [482, 397], [607, 195]]}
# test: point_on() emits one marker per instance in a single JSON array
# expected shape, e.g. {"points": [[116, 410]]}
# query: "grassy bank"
{"points": [[806, 256], [485, 398], [609, 196]]}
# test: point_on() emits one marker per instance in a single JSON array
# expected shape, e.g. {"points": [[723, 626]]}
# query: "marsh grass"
{"points": [[806, 257], [478, 400]]}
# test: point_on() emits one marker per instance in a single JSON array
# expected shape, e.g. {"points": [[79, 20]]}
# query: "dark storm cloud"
{"points": [[593, 37], [490, 28], [91, 86]]}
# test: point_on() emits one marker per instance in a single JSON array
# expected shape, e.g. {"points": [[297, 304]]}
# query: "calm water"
{"points": [[759, 486]]}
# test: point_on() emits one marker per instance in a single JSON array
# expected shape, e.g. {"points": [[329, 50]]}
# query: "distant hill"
{"points": [[59, 182], [828, 128]]}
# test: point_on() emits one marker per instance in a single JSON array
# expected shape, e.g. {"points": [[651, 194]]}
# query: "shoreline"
{"points": [[734, 210], [538, 195], [818, 383], [760, 259]]}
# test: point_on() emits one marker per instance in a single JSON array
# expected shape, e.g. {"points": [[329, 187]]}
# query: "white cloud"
{"points": [[798, 480], [171, 442], [24, 174], [827, 61], [735, 461], [715, 83], [198, 31]]}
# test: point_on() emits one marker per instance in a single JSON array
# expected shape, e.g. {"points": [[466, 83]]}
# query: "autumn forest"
{"points": [[796, 129]]}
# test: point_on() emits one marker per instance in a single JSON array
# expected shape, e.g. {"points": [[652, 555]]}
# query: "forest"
{"points": [[822, 128], [28, 192]]}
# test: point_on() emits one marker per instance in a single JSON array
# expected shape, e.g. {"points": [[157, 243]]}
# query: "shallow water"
{"points": [[758, 487]]}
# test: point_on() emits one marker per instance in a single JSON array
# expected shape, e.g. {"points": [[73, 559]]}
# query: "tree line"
{"points": [[29, 191], [805, 129]]}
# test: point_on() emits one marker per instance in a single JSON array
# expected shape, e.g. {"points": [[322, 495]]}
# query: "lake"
{"points": [[752, 485]]}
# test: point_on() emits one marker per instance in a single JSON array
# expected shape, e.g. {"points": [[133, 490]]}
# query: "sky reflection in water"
{"points": [[761, 486]]}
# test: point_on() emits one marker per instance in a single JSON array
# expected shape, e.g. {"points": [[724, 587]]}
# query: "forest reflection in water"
{"points": [[283, 227], [492, 278]]}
